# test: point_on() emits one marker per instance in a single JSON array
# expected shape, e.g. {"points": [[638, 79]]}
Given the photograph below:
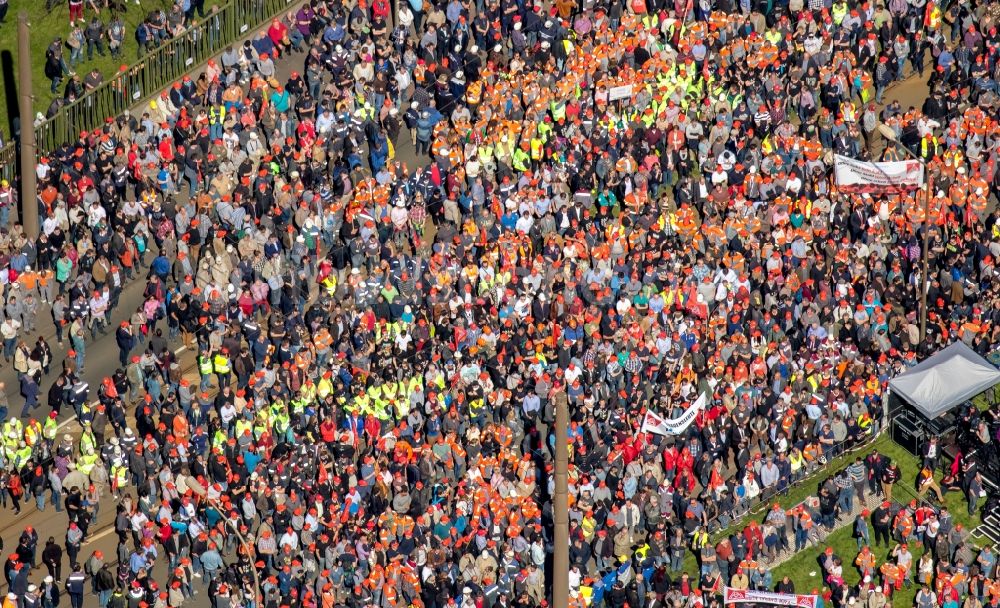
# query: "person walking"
{"points": [[75, 585]]}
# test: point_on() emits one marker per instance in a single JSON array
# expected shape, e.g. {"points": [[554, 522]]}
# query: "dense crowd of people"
{"points": [[616, 207]]}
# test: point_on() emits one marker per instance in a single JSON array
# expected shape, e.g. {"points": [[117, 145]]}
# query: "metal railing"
{"points": [[154, 71]]}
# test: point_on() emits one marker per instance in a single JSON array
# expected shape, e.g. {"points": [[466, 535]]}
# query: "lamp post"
{"points": [[560, 504], [29, 185], [890, 135]]}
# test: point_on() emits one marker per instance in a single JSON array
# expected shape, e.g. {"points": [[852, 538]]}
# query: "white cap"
{"points": [[517, 26]]}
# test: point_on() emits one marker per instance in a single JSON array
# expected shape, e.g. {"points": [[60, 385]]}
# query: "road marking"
{"points": [[180, 350], [100, 535], [65, 422]]}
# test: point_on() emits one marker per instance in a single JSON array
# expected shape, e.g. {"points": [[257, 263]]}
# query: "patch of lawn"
{"points": [[804, 568], [805, 571], [46, 25]]}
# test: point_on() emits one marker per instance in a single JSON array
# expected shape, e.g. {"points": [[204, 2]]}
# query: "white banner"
{"points": [[860, 176], [739, 596], [654, 423], [621, 92]]}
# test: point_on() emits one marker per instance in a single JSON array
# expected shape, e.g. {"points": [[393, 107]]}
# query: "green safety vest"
{"points": [[205, 365], [221, 364], [520, 160], [536, 148], [50, 429], [216, 115], [85, 464]]}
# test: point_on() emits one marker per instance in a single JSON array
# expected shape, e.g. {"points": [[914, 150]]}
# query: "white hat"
{"points": [[460, 74], [517, 26], [47, 579], [545, 44], [300, 239], [32, 588], [474, 49], [414, 105], [548, 23]]}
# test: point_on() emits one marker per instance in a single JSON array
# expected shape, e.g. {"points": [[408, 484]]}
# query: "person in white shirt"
{"points": [[98, 309], [9, 330]]}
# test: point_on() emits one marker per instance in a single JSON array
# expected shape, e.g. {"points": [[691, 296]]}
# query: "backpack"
{"points": [[142, 34]]}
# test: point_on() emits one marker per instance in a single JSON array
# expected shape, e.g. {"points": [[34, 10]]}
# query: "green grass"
{"points": [[805, 562], [800, 568], [46, 26], [800, 491]]}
